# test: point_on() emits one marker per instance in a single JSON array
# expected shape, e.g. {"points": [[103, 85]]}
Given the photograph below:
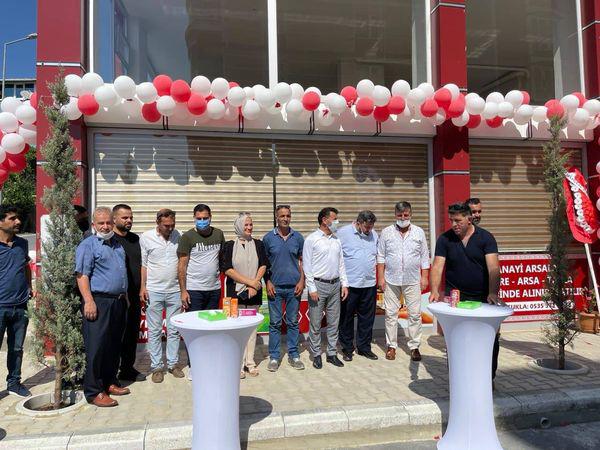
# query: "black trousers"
{"points": [[102, 340], [495, 354], [360, 302], [131, 334]]}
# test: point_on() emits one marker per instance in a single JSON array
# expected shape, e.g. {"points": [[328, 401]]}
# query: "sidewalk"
{"points": [[363, 395]]}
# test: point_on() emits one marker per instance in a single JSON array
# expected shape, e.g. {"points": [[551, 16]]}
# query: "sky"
{"points": [[18, 18]]}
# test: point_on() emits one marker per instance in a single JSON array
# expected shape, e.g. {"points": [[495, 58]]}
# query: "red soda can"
{"points": [[454, 297]]}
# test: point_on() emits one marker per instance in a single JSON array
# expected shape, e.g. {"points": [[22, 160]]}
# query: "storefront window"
{"points": [[333, 43], [181, 38], [528, 45]]}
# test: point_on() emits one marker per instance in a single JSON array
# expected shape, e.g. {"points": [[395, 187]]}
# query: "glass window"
{"points": [[333, 43], [182, 38], [528, 45]]}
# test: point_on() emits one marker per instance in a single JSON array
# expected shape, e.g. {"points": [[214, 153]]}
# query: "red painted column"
{"points": [[61, 45], [450, 145]]}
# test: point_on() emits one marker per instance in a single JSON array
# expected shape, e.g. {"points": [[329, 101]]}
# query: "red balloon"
{"points": [[457, 107], [150, 112], [381, 113], [474, 121], [180, 91], [233, 84], [396, 105], [555, 109], [3, 175], [526, 97], [16, 163], [25, 150], [349, 93], [162, 83], [311, 101], [429, 108], [33, 100], [196, 104], [581, 98], [209, 98], [495, 122], [443, 97], [364, 106], [88, 105]]}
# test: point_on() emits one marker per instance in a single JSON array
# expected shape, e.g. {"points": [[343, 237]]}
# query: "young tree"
{"points": [[561, 329], [56, 315]]}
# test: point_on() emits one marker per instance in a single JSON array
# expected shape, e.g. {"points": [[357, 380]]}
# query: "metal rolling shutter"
{"points": [[508, 180], [150, 172], [351, 177]]}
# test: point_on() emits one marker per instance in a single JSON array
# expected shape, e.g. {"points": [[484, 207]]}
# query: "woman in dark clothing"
{"points": [[244, 262]]}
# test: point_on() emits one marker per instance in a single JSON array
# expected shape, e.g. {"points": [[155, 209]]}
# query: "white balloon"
{"points": [[515, 98], [490, 110], [506, 110], [236, 96], [297, 91], [293, 107], [231, 113], [215, 109], [181, 112], [523, 114], [570, 103], [415, 97], [325, 118], [540, 114], [274, 110], [474, 104], [13, 143], [364, 88], [427, 88], [73, 84], [133, 108], [454, 90], [90, 82], [8, 122], [580, 118], [592, 123], [249, 93], [338, 104], [251, 110], [166, 105], [439, 118], [106, 96], [381, 95], [2, 155], [283, 92], [201, 85], [462, 120], [10, 104], [266, 98], [400, 88], [146, 92], [29, 133], [71, 110], [313, 89], [26, 114], [219, 88], [125, 87], [592, 106], [494, 97]]}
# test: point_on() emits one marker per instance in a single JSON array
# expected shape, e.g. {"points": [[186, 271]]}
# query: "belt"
{"points": [[335, 280], [103, 294]]}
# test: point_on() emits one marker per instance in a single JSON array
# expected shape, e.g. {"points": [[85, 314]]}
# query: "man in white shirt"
{"points": [[403, 269], [160, 291], [325, 276]]}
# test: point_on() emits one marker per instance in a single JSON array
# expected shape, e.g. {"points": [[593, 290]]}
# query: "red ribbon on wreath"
{"points": [[581, 212]]}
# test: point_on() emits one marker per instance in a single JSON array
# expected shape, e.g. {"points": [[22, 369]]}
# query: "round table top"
{"points": [[191, 321], [486, 310]]}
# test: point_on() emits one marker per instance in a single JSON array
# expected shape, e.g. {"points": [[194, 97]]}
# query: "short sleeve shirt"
{"points": [[284, 256], [466, 267], [14, 287], [104, 263], [203, 267]]}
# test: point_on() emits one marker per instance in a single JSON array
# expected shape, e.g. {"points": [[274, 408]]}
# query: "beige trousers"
{"points": [[248, 355], [391, 301]]}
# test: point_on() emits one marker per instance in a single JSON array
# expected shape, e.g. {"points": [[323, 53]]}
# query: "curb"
{"points": [[531, 409]]}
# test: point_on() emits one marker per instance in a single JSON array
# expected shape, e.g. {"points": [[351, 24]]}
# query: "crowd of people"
{"points": [[120, 274]]}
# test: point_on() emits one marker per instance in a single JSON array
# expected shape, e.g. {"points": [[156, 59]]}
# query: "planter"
{"points": [[549, 365], [589, 322], [31, 406]]}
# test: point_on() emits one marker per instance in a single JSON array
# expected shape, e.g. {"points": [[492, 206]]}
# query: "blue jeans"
{"points": [[292, 304], [157, 302], [14, 320]]}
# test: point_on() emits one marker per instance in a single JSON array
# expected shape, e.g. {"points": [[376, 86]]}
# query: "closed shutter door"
{"points": [[509, 182], [151, 172], [351, 177]]}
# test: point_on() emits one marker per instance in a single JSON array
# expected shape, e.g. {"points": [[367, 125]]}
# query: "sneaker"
{"points": [[296, 363], [273, 365], [19, 390], [158, 376], [176, 372]]}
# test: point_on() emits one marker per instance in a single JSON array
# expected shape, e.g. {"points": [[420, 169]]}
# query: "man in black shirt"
{"points": [[123, 218], [470, 255]]}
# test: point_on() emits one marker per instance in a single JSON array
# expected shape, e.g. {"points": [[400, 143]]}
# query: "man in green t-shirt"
{"points": [[198, 266]]}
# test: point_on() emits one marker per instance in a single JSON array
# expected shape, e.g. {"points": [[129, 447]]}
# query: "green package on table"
{"points": [[212, 315], [469, 304]]}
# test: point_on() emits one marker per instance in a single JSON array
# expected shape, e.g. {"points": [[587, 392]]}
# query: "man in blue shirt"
{"points": [[359, 244], [102, 280], [285, 283], [15, 290]]}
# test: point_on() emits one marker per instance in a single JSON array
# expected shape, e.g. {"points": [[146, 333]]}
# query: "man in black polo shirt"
{"points": [[470, 255]]}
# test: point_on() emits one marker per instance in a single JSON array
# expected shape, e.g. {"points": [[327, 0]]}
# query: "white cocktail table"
{"points": [[469, 335], [215, 352]]}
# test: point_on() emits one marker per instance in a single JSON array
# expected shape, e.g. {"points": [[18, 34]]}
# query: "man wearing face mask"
{"points": [[474, 205], [101, 272], [325, 275], [198, 267], [403, 269]]}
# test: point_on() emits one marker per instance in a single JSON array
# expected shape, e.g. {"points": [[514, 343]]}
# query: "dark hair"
{"points": [[121, 206], [5, 210], [278, 207], [201, 207], [325, 212], [165, 212], [402, 206], [366, 216], [80, 209], [472, 201], [459, 208]]}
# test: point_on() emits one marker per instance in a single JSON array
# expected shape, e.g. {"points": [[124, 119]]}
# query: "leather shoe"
{"points": [[113, 389], [390, 354], [317, 362], [335, 361], [347, 356], [415, 354], [368, 354], [102, 400]]}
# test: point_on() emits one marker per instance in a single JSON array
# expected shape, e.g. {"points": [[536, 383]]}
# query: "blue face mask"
{"points": [[202, 224]]}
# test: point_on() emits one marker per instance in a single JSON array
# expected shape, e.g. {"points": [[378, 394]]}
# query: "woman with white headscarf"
{"points": [[244, 262]]}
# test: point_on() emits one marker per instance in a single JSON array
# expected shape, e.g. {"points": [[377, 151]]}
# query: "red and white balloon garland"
{"points": [[219, 99], [17, 133]]}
